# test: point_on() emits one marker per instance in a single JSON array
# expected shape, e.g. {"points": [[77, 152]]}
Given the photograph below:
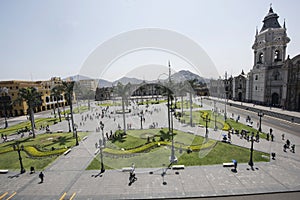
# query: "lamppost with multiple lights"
{"points": [[206, 126], [142, 116], [102, 132], [101, 146], [19, 148], [215, 114], [68, 117], [251, 151], [260, 114]]}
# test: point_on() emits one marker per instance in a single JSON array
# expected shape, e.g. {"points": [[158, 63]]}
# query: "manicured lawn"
{"points": [[38, 152], [199, 118], [205, 152], [186, 104], [38, 122]]}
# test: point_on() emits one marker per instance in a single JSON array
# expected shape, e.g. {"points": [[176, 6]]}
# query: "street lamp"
{"points": [[201, 101], [251, 151], [102, 131], [206, 126], [141, 115], [215, 114], [225, 113], [76, 135], [101, 156], [260, 114], [68, 117], [19, 148]]}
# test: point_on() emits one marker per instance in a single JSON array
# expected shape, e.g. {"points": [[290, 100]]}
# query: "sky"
{"points": [[43, 39]]}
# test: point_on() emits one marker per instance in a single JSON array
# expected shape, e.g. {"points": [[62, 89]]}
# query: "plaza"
{"points": [[67, 176]]}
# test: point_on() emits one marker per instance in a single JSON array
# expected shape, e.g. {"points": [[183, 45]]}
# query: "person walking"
{"points": [[41, 176]]}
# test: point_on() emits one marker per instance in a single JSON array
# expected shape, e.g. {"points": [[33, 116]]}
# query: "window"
{"points": [[256, 77], [260, 58], [255, 87], [277, 56]]}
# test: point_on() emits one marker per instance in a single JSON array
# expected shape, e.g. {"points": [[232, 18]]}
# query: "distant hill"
{"points": [[180, 76], [184, 75], [125, 80]]}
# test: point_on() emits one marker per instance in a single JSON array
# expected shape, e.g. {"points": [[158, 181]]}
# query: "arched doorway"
{"points": [[275, 99], [240, 95]]}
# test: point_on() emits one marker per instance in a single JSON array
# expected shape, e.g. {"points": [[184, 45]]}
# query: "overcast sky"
{"points": [[42, 39]]}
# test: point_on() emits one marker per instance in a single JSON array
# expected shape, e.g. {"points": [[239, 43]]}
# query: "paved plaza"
{"points": [[66, 176]]}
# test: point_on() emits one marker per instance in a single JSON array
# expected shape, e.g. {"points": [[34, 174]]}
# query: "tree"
{"points": [[56, 92], [68, 87], [33, 99], [124, 92], [190, 88]]}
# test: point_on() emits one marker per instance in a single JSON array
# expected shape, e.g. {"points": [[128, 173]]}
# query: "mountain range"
{"points": [[176, 77]]}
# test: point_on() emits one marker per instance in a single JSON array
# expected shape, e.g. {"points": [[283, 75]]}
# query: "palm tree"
{"points": [[68, 87], [124, 92], [33, 99], [56, 92], [190, 88]]}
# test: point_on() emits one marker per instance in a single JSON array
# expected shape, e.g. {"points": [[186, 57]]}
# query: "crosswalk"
{"points": [[10, 195], [7, 195], [63, 197]]}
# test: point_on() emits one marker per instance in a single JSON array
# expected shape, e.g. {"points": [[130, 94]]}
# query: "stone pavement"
{"points": [[68, 174]]}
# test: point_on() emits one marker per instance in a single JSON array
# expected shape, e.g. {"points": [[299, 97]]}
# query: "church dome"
{"points": [[270, 21]]}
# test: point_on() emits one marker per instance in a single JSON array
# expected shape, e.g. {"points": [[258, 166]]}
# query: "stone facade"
{"points": [[267, 80]]}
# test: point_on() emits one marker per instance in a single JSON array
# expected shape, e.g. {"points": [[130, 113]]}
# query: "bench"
{"points": [[84, 138], [97, 151], [3, 171], [59, 131], [229, 164], [68, 151], [126, 169], [174, 167], [10, 139]]}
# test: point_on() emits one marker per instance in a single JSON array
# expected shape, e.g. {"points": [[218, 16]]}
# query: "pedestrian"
{"points": [[272, 137], [284, 147], [293, 148], [41, 176], [257, 137], [282, 136], [288, 143], [268, 135]]}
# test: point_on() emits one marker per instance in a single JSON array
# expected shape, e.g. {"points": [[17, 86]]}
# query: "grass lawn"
{"points": [[186, 104], [221, 124], [38, 122], [38, 152], [205, 153]]}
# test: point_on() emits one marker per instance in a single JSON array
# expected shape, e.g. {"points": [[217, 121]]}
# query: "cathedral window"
{"points": [[260, 58], [256, 77], [277, 56], [276, 75]]}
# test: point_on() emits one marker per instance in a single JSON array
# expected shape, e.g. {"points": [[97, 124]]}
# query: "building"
{"points": [[10, 94], [267, 81], [274, 79], [239, 87]]}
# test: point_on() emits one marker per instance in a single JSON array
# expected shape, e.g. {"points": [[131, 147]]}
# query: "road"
{"points": [[278, 124], [270, 196]]}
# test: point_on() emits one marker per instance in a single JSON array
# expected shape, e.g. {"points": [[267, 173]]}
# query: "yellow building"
{"points": [[9, 93]]}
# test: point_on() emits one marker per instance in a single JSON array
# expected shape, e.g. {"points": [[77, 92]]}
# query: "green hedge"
{"points": [[34, 152], [148, 146]]}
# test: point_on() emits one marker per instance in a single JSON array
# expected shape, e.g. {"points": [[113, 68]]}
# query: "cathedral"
{"points": [[274, 79]]}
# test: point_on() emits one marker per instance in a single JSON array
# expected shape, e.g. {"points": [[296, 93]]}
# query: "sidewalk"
{"points": [[68, 174]]}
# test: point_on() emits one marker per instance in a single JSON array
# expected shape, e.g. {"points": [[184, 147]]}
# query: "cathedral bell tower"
{"points": [[269, 54]]}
